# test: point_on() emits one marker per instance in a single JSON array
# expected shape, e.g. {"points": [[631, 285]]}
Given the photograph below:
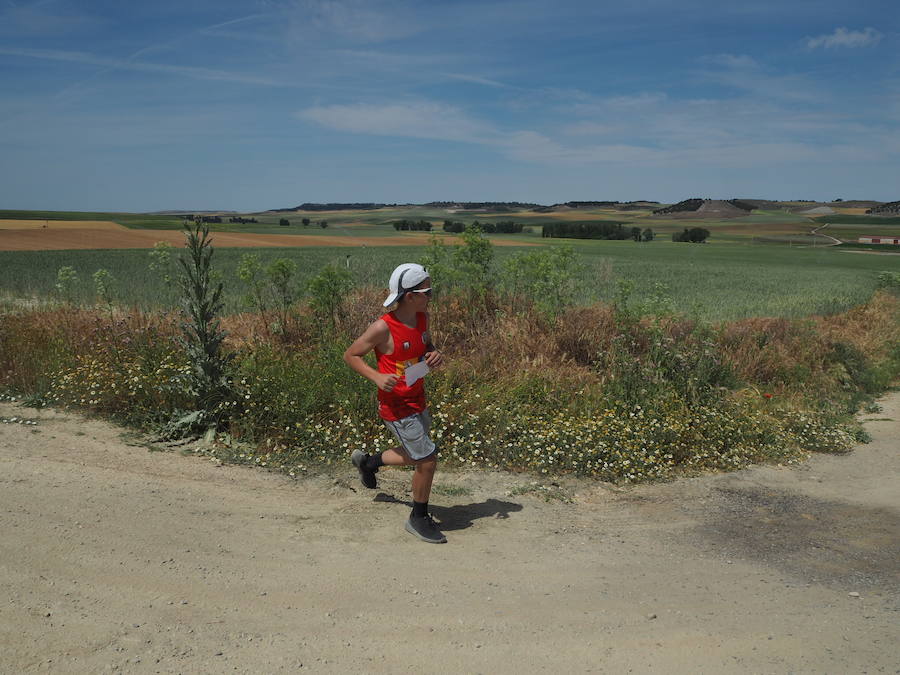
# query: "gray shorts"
{"points": [[412, 434]]}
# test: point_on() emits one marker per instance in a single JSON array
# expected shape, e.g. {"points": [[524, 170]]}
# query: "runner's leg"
{"points": [[423, 477]]}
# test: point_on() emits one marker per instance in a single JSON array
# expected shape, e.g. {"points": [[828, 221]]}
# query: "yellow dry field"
{"points": [[60, 225], [60, 239], [852, 211]]}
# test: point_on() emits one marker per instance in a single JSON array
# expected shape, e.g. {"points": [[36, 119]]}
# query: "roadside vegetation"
{"points": [[627, 389]]}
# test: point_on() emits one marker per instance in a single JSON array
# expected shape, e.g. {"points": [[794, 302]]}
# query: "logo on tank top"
{"points": [[406, 345]]}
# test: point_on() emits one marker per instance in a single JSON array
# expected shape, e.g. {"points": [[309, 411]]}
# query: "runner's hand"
{"points": [[434, 359], [386, 382]]}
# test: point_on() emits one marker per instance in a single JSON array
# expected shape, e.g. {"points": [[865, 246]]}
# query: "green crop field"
{"points": [[713, 281]]}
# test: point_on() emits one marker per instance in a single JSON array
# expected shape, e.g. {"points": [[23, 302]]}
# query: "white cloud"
{"points": [[415, 120], [842, 37]]}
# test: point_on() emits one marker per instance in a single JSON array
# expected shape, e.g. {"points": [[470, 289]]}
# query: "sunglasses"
{"points": [[426, 291]]}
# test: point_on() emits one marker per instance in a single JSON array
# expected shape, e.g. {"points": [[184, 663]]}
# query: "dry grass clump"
{"points": [[767, 351], [873, 328]]}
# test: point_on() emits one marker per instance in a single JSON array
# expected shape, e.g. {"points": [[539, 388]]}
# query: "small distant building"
{"points": [[880, 240]]}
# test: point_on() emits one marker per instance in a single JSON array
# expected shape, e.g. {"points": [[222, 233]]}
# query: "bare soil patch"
{"points": [[116, 558]]}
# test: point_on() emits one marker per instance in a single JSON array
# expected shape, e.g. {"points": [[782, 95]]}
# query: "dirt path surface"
{"points": [[113, 558]]}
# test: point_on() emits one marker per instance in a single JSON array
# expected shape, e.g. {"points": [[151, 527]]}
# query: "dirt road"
{"points": [[113, 558]]}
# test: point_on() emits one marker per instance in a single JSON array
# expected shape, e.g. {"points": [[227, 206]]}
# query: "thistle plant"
{"points": [[202, 333]]}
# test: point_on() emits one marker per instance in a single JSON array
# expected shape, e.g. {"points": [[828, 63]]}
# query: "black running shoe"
{"points": [[366, 475], [425, 529]]}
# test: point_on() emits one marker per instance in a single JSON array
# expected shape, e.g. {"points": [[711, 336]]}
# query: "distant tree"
{"points": [[695, 235], [636, 233], [507, 227], [323, 224], [698, 235], [284, 222], [305, 222], [648, 234]]}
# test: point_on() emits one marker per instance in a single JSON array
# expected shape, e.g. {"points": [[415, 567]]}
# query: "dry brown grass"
{"points": [[871, 328], [765, 350]]}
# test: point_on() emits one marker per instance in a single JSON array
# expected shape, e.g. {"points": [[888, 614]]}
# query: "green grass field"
{"points": [[713, 281]]}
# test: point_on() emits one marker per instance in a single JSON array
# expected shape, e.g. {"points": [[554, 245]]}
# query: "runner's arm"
{"points": [[376, 335]]}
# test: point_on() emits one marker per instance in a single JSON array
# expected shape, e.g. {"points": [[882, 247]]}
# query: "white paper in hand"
{"points": [[416, 372]]}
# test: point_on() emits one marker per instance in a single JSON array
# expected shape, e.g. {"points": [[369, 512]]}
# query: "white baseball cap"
{"points": [[406, 277]]}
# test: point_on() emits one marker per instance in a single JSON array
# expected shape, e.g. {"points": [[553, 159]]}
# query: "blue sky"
{"points": [[250, 105]]}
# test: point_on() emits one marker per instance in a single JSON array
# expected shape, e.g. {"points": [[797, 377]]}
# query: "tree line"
{"points": [[608, 230], [500, 227], [284, 222]]}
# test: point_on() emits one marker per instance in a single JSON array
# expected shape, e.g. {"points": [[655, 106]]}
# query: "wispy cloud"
{"points": [[744, 73], [413, 120], [477, 80], [353, 20], [44, 18], [732, 61], [127, 64], [843, 37]]}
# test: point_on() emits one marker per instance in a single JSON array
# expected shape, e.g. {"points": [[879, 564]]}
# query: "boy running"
{"points": [[401, 339]]}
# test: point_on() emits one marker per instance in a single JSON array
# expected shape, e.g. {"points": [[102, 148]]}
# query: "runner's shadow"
{"points": [[461, 516]]}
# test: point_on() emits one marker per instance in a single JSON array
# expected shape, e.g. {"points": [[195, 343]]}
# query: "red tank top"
{"points": [[409, 347]]}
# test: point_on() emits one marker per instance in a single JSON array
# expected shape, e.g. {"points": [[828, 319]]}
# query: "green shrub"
{"points": [[327, 292], [280, 274], [548, 276], [250, 272]]}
